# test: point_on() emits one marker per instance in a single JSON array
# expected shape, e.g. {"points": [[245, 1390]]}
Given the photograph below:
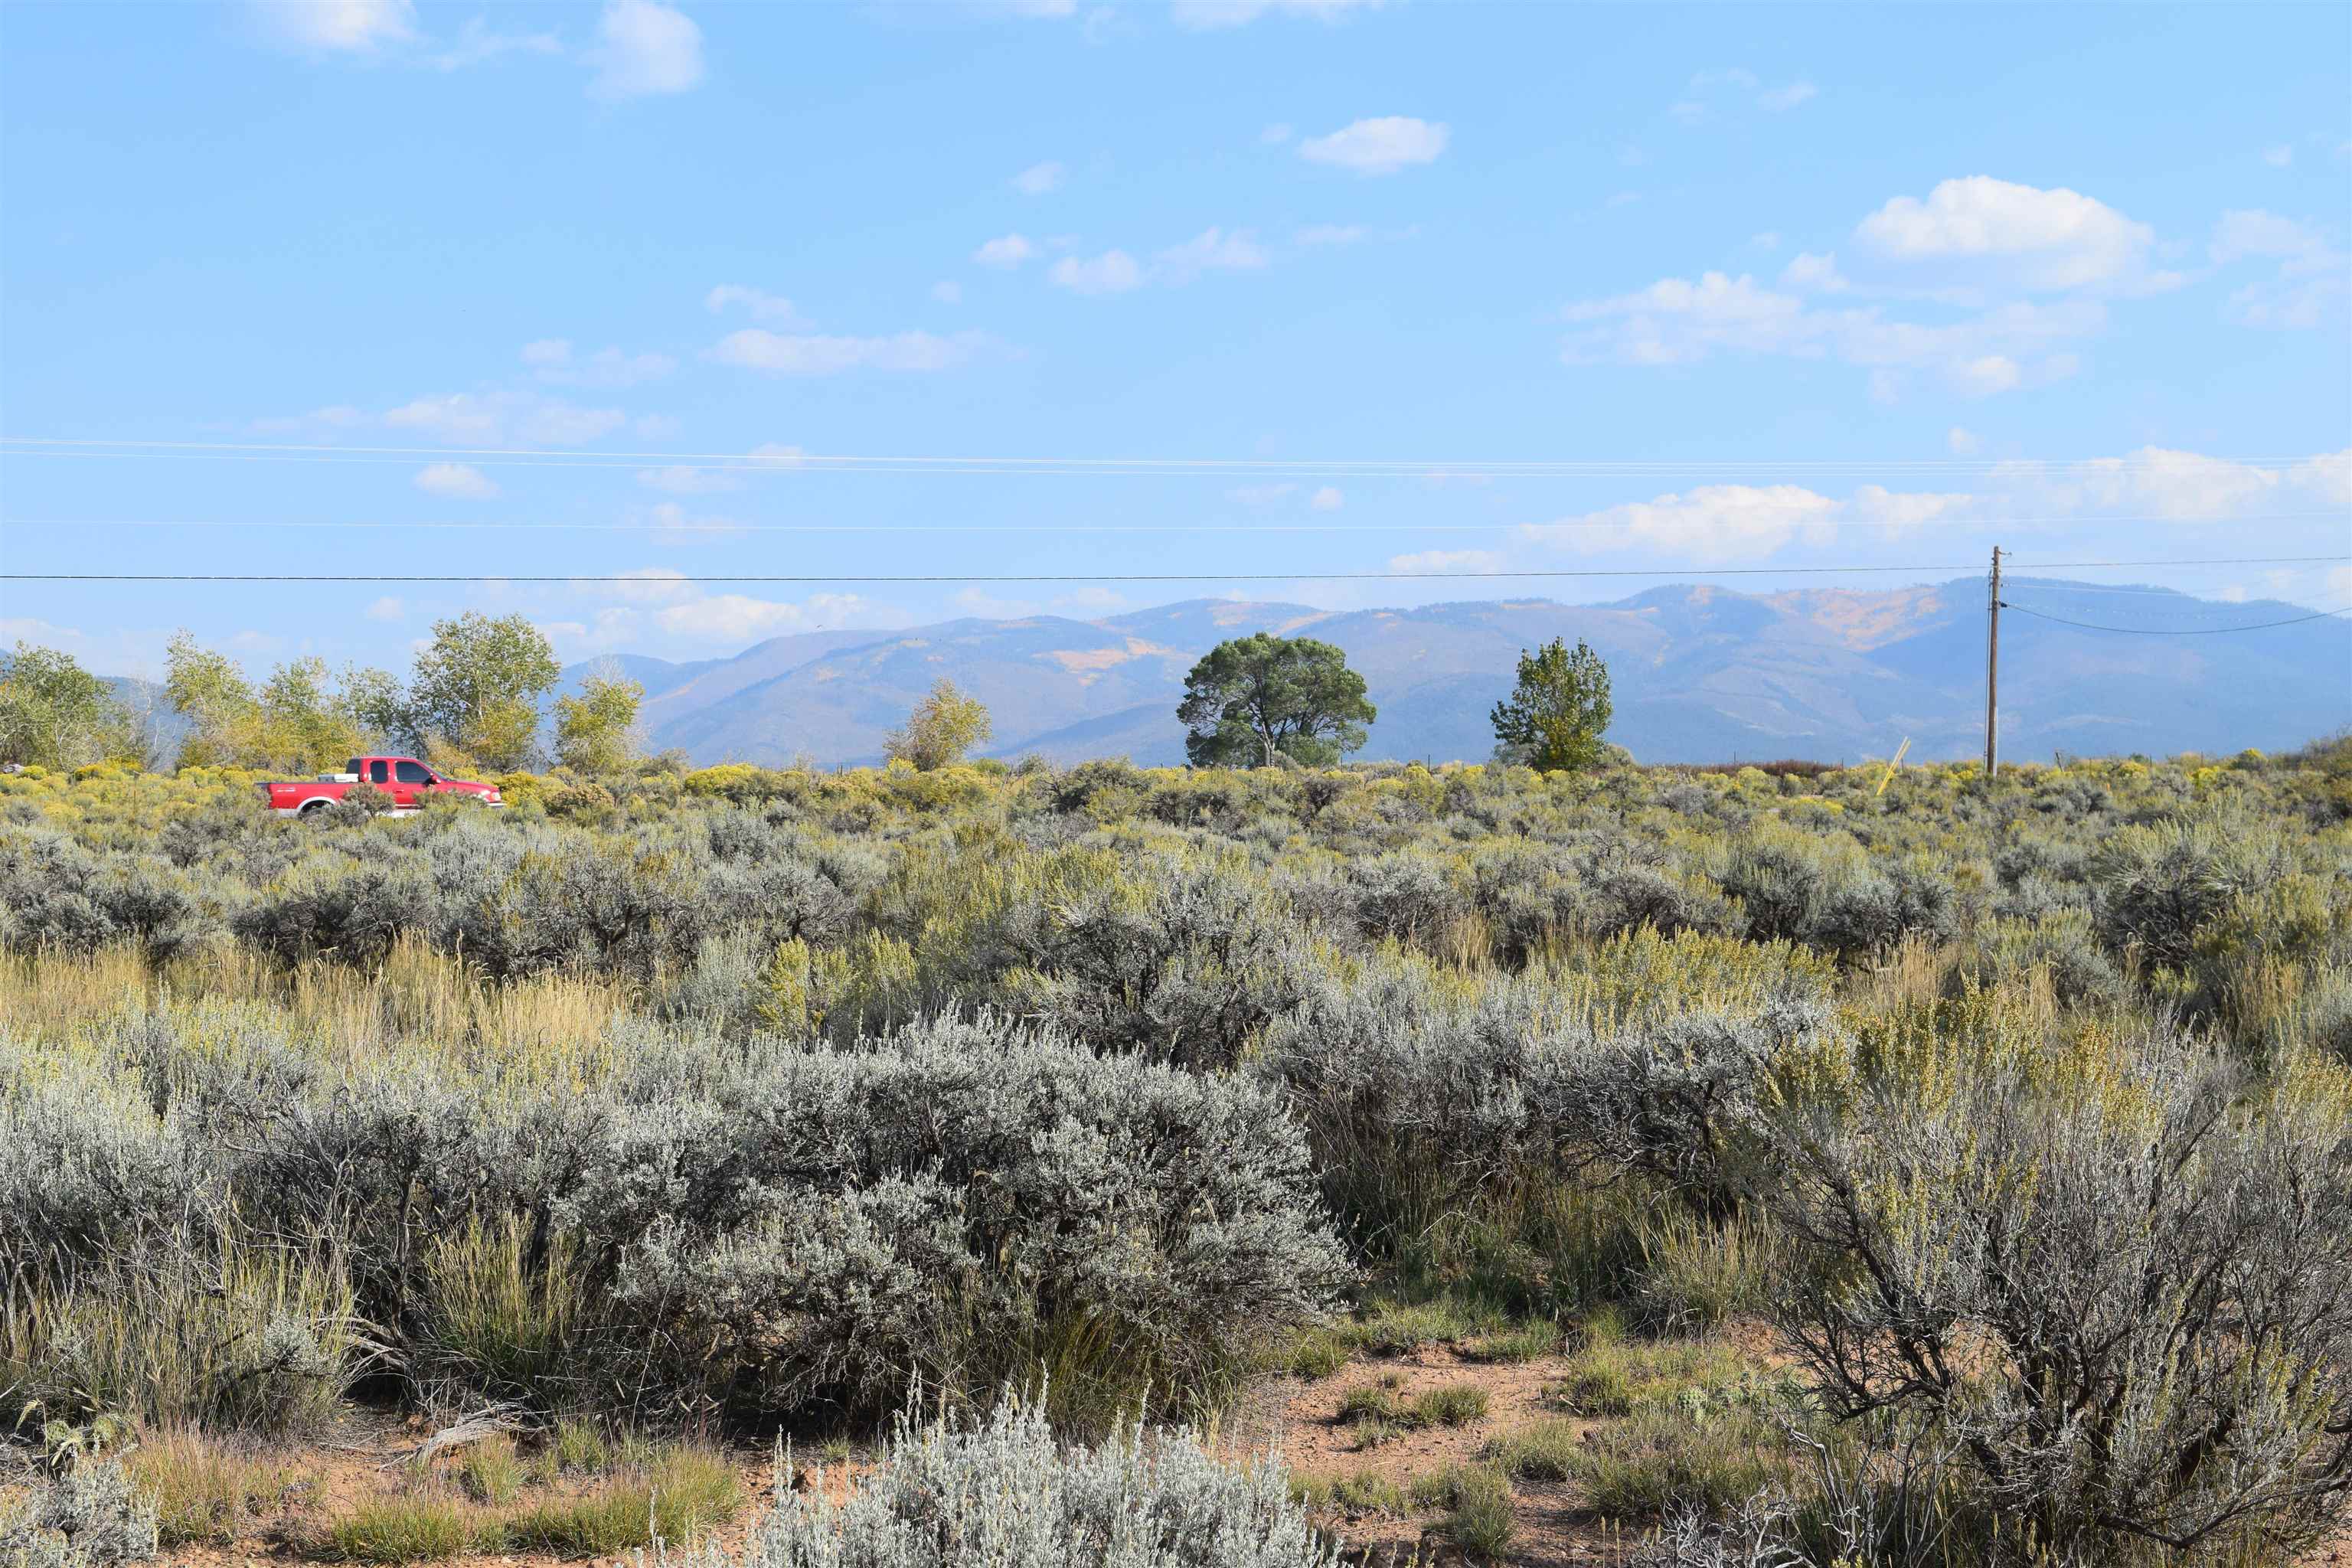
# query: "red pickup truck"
{"points": [[401, 778]]}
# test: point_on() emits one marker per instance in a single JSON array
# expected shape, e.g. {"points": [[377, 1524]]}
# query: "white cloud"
{"points": [[487, 418], [739, 618], [1986, 375], [669, 517], [1212, 249], [1327, 498], [1447, 562], [477, 45], [1713, 523], [1693, 107], [2173, 485], [454, 482], [648, 585], [755, 348], [1038, 179], [2252, 232], [643, 48], [774, 454], [1963, 442], [387, 609], [335, 416], [2293, 301], [2309, 286], [1203, 14], [1005, 250], [1331, 234], [1908, 508], [1112, 272], [1991, 230], [350, 27], [1819, 273], [1680, 320], [1737, 523], [2164, 482], [686, 482], [553, 363], [1275, 135], [1380, 146], [948, 291], [614, 627], [2279, 156], [762, 305], [2328, 477]]}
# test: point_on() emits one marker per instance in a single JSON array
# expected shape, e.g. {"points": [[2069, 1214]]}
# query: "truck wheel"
{"points": [[313, 808]]}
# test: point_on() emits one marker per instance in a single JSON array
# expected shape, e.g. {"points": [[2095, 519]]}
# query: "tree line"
{"points": [[475, 702]]}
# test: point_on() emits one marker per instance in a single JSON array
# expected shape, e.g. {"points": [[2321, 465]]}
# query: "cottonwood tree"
{"points": [[596, 731], [942, 728], [301, 719], [478, 686], [210, 691], [1554, 719], [1253, 698], [55, 714]]}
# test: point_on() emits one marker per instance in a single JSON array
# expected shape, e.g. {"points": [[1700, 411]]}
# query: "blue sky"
{"points": [[1805, 286]]}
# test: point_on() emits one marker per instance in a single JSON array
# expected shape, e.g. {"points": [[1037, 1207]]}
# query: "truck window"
{"points": [[353, 766], [377, 773], [411, 772]]}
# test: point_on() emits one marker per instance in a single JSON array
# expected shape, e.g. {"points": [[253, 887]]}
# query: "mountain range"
{"points": [[1700, 673]]}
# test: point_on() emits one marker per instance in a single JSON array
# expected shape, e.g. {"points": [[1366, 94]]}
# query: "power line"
{"points": [[2175, 631], [2120, 588], [2206, 560], [643, 580], [336, 525], [36, 446]]}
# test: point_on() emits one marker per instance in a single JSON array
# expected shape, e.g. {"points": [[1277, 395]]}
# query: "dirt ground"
{"points": [[1552, 1529]]}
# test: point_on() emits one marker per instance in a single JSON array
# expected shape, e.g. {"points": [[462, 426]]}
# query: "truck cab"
{"points": [[404, 780]]}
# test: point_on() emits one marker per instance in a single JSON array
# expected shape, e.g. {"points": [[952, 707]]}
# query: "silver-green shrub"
{"points": [[759, 1225], [1005, 1491], [87, 1517]]}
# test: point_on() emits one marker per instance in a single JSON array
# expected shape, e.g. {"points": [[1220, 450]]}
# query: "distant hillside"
{"points": [[1701, 674]]}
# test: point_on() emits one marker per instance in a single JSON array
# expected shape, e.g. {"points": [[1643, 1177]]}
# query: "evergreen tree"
{"points": [[1554, 719]]}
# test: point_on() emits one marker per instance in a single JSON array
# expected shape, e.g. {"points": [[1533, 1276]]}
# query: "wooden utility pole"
{"points": [[1992, 671]]}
